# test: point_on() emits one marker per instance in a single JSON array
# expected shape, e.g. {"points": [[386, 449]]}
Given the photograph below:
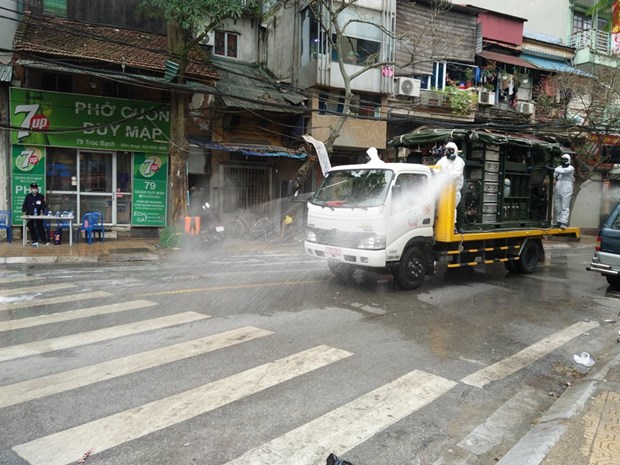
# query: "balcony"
{"points": [[592, 39], [593, 46]]}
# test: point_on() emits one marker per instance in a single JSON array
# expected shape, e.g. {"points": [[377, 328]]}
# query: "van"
{"points": [[606, 259]]}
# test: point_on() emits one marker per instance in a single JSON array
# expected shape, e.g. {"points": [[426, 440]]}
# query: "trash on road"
{"points": [[86, 455], [584, 359], [332, 459]]}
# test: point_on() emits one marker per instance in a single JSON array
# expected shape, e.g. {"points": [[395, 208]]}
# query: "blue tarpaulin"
{"points": [[548, 64]]}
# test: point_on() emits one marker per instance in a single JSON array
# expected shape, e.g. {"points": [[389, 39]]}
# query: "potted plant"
{"points": [[461, 101], [469, 76]]}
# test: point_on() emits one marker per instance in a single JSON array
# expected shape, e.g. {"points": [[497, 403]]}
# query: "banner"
{"points": [[150, 180], [27, 166], [615, 28], [88, 122]]}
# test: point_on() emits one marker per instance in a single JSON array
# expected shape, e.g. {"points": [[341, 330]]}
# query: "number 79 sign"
{"points": [[149, 197]]}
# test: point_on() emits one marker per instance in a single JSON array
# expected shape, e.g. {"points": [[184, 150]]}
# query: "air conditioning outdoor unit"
{"points": [[408, 86], [486, 98], [209, 38], [526, 108]]}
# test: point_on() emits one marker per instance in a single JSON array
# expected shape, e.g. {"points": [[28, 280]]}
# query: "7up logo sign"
{"points": [[33, 120], [150, 166], [28, 159]]}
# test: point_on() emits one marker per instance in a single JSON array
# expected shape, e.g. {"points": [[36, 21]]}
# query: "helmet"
{"points": [[565, 158], [34, 185]]}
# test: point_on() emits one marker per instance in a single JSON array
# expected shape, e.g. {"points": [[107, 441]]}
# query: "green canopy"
{"points": [[429, 136]]}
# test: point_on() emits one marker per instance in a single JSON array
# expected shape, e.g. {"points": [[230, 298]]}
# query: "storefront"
{"points": [[90, 153]]}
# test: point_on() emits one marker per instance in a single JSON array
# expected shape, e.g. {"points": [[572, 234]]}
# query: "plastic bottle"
{"points": [[35, 211]]}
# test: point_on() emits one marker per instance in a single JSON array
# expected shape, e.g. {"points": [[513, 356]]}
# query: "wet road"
{"points": [[262, 357]]}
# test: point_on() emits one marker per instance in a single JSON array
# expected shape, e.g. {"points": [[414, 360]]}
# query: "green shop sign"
{"points": [[89, 122], [27, 166], [150, 180]]}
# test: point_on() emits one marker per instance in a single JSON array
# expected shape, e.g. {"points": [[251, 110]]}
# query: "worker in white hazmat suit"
{"points": [[453, 166], [563, 176]]}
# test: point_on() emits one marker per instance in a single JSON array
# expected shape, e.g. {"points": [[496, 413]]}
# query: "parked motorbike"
{"points": [[212, 229]]}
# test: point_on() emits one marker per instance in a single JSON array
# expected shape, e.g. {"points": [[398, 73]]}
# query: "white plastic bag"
{"points": [[584, 359]]}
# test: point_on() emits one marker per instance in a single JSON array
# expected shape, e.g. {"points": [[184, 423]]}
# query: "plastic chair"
{"points": [[5, 223], [92, 222]]}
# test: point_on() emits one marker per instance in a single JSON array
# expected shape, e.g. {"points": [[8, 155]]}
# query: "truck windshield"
{"points": [[354, 188]]}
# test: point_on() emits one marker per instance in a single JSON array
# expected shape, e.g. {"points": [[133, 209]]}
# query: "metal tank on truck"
{"points": [[402, 217]]}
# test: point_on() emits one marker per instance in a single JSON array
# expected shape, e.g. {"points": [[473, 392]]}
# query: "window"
{"points": [[56, 82], [360, 52], [225, 44], [581, 22], [55, 7]]}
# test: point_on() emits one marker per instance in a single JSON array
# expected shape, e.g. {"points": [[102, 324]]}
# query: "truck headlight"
{"points": [[310, 236], [373, 242]]}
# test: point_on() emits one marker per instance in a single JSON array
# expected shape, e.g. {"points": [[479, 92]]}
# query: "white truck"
{"points": [[400, 217]]}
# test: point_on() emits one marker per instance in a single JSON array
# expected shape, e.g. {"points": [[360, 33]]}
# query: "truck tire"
{"points": [[511, 266], [613, 281], [342, 271], [529, 257], [411, 270]]}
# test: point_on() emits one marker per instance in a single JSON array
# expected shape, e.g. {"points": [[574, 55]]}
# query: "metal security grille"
{"points": [[245, 188]]}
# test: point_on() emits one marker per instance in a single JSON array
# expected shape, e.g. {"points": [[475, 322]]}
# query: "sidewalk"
{"points": [[582, 427], [114, 250]]}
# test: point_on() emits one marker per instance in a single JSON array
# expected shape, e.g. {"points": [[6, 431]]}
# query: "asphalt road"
{"points": [[260, 357]]}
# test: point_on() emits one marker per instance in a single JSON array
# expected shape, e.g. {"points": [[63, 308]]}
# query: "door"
{"points": [[96, 192]]}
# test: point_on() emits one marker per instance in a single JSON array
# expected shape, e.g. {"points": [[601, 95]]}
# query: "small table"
{"points": [[58, 219]]}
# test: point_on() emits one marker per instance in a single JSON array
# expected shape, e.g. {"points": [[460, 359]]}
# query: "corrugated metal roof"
{"points": [[540, 37], [510, 59], [255, 150], [558, 66], [6, 72], [248, 86]]}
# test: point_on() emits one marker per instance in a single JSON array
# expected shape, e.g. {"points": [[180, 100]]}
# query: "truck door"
{"points": [[412, 208]]}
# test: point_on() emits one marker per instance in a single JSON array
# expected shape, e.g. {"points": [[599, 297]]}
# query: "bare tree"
{"points": [[583, 112]]}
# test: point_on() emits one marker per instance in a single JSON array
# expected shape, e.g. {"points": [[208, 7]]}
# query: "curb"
{"points": [[540, 439]]}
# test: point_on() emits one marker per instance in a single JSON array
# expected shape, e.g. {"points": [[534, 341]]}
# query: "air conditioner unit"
{"points": [[407, 86], [526, 108], [208, 39], [486, 98]]}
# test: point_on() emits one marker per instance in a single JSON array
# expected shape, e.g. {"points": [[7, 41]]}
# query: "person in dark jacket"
{"points": [[34, 204]]}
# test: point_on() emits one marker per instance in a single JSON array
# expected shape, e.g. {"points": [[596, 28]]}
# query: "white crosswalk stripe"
{"points": [[528, 355], [54, 300], [74, 314], [65, 342], [350, 425], [59, 382], [37, 289], [19, 279], [67, 446]]}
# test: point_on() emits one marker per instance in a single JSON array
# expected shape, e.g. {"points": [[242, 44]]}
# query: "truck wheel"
{"points": [[511, 266], [341, 270], [529, 258], [411, 270], [614, 281]]}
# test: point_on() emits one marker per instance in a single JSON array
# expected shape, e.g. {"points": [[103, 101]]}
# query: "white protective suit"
{"points": [[453, 168], [563, 190]]}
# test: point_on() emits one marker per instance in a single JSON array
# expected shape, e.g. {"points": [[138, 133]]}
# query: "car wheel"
{"points": [[614, 281], [411, 271], [529, 258]]}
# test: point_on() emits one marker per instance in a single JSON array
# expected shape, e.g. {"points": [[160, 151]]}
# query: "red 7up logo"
{"points": [[32, 120]]}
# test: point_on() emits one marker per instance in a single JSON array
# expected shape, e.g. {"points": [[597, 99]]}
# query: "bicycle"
{"points": [[243, 226]]}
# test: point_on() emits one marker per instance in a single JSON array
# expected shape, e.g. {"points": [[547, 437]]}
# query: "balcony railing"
{"points": [[593, 39]]}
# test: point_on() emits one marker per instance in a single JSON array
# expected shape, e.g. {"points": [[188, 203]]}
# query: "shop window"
{"points": [[226, 44], [61, 170]]}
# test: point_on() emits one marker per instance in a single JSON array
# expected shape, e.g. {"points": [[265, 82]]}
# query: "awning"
{"points": [[510, 59], [253, 150], [429, 136], [548, 64]]}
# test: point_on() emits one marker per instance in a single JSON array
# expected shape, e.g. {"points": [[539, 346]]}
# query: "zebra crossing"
{"points": [[341, 429]]}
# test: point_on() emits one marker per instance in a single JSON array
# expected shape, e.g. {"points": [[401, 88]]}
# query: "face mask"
{"points": [[34, 191]]}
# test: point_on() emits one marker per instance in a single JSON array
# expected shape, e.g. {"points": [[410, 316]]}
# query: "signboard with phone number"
{"points": [[27, 166], [150, 180]]}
